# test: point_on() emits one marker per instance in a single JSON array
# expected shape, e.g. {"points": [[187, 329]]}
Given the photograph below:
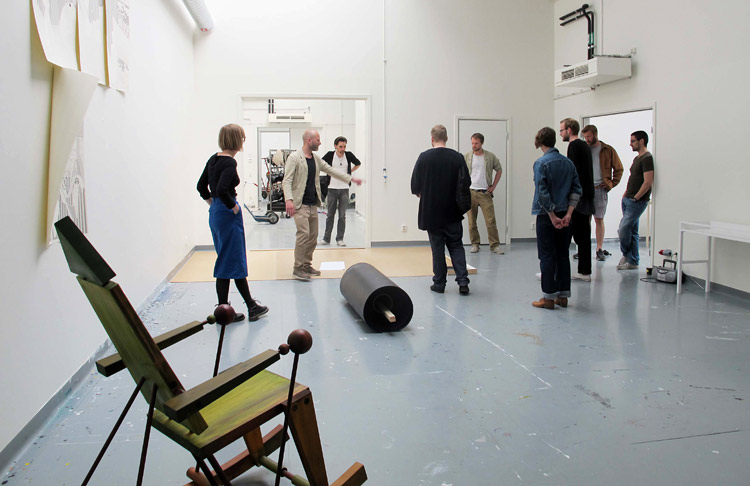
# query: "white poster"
{"points": [[56, 24], [91, 38], [117, 13], [71, 94], [72, 198]]}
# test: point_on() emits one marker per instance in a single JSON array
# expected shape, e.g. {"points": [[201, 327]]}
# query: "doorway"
{"points": [[614, 129], [495, 131], [274, 127]]}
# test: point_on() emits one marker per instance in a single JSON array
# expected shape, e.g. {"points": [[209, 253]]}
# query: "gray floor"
{"points": [[628, 385]]}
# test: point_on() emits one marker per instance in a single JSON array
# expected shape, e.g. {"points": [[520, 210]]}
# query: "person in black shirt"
{"points": [[217, 187], [580, 224], [441, 182]]}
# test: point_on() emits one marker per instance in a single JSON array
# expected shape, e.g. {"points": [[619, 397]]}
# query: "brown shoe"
{"points": [[562, 301], [544, 303], [312, 271]]}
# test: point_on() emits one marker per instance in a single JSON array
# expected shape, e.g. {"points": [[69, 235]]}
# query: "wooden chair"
{"points": [[231, 406]]}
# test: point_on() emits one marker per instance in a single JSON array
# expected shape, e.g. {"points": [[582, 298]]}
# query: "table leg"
{"points": [[708, 265], [680, 257]]}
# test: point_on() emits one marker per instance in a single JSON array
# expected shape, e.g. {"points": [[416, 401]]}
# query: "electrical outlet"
{"points": [[403, 228], [533, 225]]}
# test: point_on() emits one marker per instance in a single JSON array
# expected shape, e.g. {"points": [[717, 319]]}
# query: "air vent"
{"points": [[289, 117], [596, 71]]}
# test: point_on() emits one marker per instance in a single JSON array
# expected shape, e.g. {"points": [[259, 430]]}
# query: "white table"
{"points": [[711, 230]]}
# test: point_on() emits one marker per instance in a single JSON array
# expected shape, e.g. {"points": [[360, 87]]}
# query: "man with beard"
{"points": [[607, 173]]}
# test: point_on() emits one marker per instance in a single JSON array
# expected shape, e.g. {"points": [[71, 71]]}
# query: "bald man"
{"points": [[302, 194]]}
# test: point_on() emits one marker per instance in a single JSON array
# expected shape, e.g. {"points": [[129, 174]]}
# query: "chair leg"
{"points": [[146, 436], [206, 472], [304, 428], [219, 471], [114, 431]]}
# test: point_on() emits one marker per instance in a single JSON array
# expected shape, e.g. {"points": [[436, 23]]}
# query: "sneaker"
{"points": [[340, 242], [498, 250], [575, 256], [239, 317], [600, 256], [309, 269], [622, 261], [544, 303], [437, 288], [463, 289], [300, 274], [538, 275], [606, 253], [474, 249], [561, 301], [324, 242], [627, 266], [254, 313], [580, 276]]}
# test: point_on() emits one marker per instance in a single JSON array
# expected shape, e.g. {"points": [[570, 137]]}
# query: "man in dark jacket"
{"points": [[441, 182], [580, 224]]}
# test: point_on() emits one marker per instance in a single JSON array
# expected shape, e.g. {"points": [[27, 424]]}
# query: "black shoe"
{"points": [[239, 317], [600, 255], [435, 288], [463, 289], [254, 313], [606, 253], [575, 256]]}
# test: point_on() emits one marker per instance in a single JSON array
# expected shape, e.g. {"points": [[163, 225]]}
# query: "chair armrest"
{"points": [[186, 404], [112, 364]]}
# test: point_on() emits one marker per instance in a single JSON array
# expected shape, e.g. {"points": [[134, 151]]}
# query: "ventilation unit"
{"points": [[289, 117], [596, 71]]}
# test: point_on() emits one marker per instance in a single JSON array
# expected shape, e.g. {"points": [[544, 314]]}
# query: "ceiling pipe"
{"points": [[200, 14]]}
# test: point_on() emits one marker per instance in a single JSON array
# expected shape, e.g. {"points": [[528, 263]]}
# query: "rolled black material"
{"points": [[370, 292]]}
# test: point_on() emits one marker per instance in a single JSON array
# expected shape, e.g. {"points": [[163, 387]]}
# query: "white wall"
{"points": [[135, 193], [693, 63], [442, 59]]}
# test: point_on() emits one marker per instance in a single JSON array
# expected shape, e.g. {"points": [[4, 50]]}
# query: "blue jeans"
{"points": [[628, 230], [449, 235], [552, 247], [336, 199]]}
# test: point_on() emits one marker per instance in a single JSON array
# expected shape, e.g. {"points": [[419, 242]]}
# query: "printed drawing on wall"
{"points": [[72, 199], [118, 36], [91, 38], [56, 24]]}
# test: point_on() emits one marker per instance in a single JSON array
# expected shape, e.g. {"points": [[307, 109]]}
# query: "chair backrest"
{"points": [[139, 352]]}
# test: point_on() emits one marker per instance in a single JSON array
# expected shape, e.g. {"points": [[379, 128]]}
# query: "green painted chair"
{"points": [[231, 406]]}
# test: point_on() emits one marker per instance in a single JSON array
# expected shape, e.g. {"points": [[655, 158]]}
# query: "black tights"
{"points": [[222, 290]]}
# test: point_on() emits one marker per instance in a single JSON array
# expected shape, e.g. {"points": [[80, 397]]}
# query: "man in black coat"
{"points": [[441, 182], [580, 224]]}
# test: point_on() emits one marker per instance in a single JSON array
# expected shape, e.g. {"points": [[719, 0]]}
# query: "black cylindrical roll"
{"points": [[373, 296]]}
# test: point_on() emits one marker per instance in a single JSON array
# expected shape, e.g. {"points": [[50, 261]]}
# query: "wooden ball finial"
{"points": [[300, 341], [224, 314]]}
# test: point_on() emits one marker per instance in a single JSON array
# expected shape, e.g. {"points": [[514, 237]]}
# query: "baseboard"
{"points": [[717, 287], [28, 433], [392, 244]]}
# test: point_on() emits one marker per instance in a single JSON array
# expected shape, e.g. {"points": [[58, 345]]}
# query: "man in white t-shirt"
{"points": [[338, 191], [482, 163]]}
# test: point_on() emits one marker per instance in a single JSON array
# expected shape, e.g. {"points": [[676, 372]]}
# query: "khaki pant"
{"points": [[306, 219], [483, 200]]}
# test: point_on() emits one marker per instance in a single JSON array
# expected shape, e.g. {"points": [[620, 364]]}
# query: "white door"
{"points": [[615, 130], [496, 141]]}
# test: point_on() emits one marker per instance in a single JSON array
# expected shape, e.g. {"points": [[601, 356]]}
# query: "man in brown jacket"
{"points": [[607, 174]]}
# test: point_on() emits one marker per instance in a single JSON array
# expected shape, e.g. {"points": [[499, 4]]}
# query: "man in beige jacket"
{"points": [[302, 194], [482, 163]]}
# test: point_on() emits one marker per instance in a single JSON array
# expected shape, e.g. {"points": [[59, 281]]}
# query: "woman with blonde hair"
{"points": [[217, 186]]}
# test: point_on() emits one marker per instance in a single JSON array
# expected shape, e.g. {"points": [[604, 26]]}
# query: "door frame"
{"points": [[368, 132], [652, 149], [508, 165]]}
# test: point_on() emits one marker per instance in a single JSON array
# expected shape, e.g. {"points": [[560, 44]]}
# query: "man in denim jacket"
{"points": [[557, 190]]}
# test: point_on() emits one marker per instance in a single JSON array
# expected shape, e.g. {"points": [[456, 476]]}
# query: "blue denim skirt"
{"points": [[228, 233]]}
